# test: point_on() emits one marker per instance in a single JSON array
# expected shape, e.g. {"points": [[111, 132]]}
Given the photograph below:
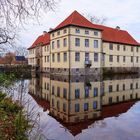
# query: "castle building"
{"points": [[78, 47]]}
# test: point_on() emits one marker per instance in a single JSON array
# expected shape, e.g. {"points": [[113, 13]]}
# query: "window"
{"points": [[123, 58], [77, 41], [53, 57], [123, 86], [95, 57], [58, 105], [137, 49], [86, 92], [65, 57], [86, 42], [110, 58], [77, 93], [95, 105], [58, 33], [86, 56], [110, 100], [52, 90], [77, 56], [110, 88], [137, 59], [58, 91], [118, 47], [58, 43], [118, 58], [48, 58], [85, 106], [65, 31], [77, 107], [96, 33], [95, 92], [117, 88], [124, 47], [53, 45], [65, 93], [45, 59], [86, 32], [47, 86], [110, 46], [58, 57], [131, 58], [117, 98], [95, 43], [47, 48], [64, 107], [52, 35], [131, 49], [77, 30], [136, 85], [123, 97], [131, 86], [65, 42]]}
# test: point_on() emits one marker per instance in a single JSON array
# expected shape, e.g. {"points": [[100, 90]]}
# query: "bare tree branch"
{"points": [[97, 20], [16, 13]]}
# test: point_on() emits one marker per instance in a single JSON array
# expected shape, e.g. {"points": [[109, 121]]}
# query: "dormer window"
{"points": [[77, 30]]}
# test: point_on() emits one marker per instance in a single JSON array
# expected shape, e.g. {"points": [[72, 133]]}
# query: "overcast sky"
{"points": [[123, 13]]}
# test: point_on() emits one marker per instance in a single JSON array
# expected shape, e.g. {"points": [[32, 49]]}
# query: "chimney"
{"points": [[50, 29], [118, 28], [44, 32]]}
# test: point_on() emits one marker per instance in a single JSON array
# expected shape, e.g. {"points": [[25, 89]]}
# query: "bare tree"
{"points": [[8, 59], [14, 13], [21, 51], [97, 20]]}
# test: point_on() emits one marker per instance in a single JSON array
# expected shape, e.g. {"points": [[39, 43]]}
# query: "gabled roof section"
{"points": [[41, 40], [115, 35], [108, 34], [78, 20]]}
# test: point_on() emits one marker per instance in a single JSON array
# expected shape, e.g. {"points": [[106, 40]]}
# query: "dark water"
{"points": [[84, 108]]}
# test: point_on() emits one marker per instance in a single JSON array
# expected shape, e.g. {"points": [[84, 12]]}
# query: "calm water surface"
{"points": [[86, 108]]}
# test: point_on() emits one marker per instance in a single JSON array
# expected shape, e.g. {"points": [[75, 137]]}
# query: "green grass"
{"points": [[7, 79], [13, 123]]}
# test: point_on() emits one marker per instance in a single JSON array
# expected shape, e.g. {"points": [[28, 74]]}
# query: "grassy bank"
{"points": [[13, 123], [7, 79]]}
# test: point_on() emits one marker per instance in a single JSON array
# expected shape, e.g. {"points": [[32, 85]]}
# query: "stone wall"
{"points": [[121, 70], [90, 71], [76, 71]]}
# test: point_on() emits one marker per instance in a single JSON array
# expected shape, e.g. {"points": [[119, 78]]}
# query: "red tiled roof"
{"points": [[117, 36], [78, 20], [116, 109], [42, 39], [108, 34]]}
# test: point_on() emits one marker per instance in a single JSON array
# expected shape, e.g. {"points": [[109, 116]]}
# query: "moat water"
{"points": [[83, 108]]}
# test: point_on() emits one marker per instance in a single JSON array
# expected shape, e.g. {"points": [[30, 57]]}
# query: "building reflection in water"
{"points": [[76, 102]]}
